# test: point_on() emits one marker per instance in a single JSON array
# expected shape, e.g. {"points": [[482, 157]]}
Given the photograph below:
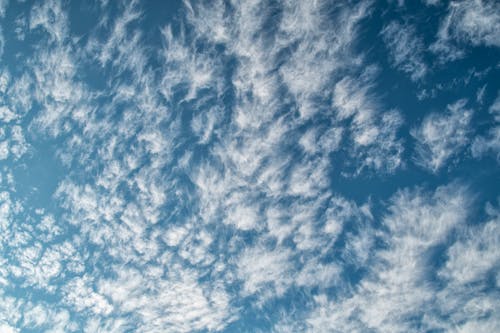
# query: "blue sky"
{"points": [[249, 166]]}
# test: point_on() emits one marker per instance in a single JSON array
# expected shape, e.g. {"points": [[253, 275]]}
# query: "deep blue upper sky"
{"points": [[249, 166]]}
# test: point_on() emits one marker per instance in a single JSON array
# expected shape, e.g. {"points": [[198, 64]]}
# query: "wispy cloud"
{"points": [[406, 49], [369, 125], [399, 293], [472, 22], [490, 142], [442, 135]]}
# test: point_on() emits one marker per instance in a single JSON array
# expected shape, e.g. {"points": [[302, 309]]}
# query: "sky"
{"points": [[249, 166]]}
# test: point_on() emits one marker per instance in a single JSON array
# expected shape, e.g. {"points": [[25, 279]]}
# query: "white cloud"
{"points": [[373, 132], [313, 141], [35, 316], [473, 257], [473, 22], [2, 41], [175, 235], [121, 47], [315, 274], [61, 322], [309, 179], [4, 81], [395, 291], [6, 115], [5, 328], [406, 49], [339, 212], [185, 67], [265, 272], [476, 21], [243, 216], [490, 141], [80, 294], [177, 302], [319, 54], [480, 326], [495, 108], [400, 285], [3, 7], [471, 260], [4, 150], [51, 17], [10, 311], [442, 136], [204, 124], [21, 25]]}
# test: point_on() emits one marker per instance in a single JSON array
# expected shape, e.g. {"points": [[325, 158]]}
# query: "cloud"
{"points": [[318, 54], [182, 66], [7, 329], [442, 136], [6, 115], [50, 17], [21, 27], [196, 176], [467, 22], [4, 150], [176, 303], [2, 41], [397, 289], [406, 49], [400, 293], [3, 7], [489, 142], [373, 132], [121, 48], [470, 259], [80, 294], [264, 271], [469, 300]]}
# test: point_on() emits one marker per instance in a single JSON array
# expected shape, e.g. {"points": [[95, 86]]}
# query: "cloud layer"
{"points": [[263, 166]]}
